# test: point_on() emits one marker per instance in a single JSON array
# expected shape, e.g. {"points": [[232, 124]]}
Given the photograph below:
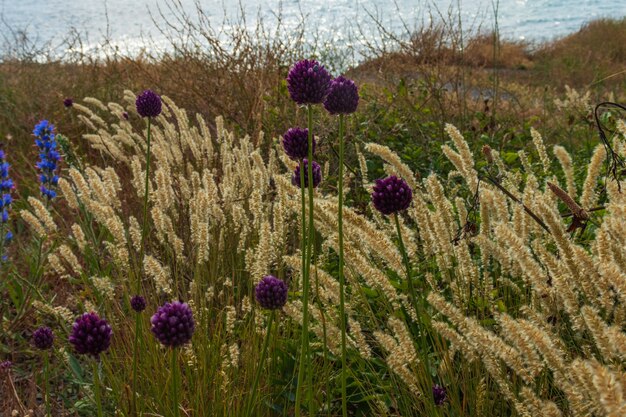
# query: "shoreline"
{"points": [[247, 87], [337, 21]]}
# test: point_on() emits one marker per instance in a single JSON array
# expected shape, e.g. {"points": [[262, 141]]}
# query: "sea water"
{"points": [[128, 24]]}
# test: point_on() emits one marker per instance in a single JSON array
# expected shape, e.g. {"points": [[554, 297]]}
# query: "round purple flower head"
{"points": [[391, 195], [138, 303], [43, 338], [173, 324], [5, 366], [90, 334], [308, 82], [343, 97], [148, 104], [439, 394], [271, 292], [68, 102], [296, 143], [317, 174]]}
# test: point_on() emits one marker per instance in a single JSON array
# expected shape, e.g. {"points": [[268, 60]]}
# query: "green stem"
{"points": [[175, 382], [46, 365], [303, 244], [303, 247], [421, 316], [96, 387], [257, 376], [407, 265], [144, 227], [135, 411], [304, 351], [324, 343], [342, 296]]}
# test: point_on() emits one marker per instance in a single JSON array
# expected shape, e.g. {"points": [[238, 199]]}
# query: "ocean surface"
{"points": [[128, 23]]}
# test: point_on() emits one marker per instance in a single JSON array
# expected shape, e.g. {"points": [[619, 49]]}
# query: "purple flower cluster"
{"points": [[148, 104], [391, 195], [49, 158], [439, 394], [343, 97], [68, 102], [296, 143], [6, 186], [43, 338], [271, 293], [308, 82], [138, 303], [90, 334], [317, 174], [173, 324]]}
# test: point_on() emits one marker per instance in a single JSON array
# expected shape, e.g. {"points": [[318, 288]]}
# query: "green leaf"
{"points": [[16, 294], [509, 157], [77, 370], [83, 405], [369, 293]]}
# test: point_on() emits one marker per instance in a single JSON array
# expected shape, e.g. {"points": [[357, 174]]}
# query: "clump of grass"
{"points": [[478, 295], [594, 56]]}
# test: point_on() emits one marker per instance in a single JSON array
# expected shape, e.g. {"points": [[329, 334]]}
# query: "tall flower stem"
{"points": [[305, 360], [46, 366], [96, 386], [144, 227], [416, 306], [259, 369], [342, 295], [175, 382], [407, 265], [135, 410], [303, 243]]}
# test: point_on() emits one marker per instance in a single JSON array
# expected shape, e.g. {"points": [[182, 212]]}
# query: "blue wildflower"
{"points": [[49, 158], [6, 186]]}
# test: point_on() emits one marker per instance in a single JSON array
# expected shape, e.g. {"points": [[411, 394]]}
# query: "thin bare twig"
{"points": [[616, 162], [518, 201]]}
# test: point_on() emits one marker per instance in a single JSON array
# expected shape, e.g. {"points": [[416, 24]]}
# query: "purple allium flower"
{"points": [[49, 158], [90, 334], [308, 82], [138, 303], [296, 143], [68, 102], [43, 338], [5, 366], [391, 194], [271, 292], [148, 104], [439, 394], [317, 174], [6, 186], [343, 97], [173, 324]]}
